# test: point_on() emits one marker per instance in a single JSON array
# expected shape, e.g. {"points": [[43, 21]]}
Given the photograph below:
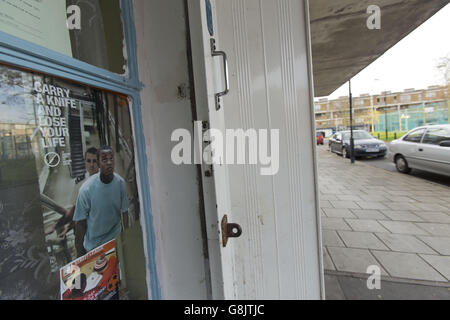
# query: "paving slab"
{"points": [[361, 240], [330, 238], [432, 216], [328, 197], [353, 260], [344, 204], [369, 214], [365, 225], [400, 206], [440, 263], [401, 227], [407, 265], [401, 193], [395, 198], [325, 204], [407, 216], [377, 193], [436, 229], [347, 197], [371, 205], [372, 198], [439, 244], [404, 243], [338, 213], [431, 207], [334, 224], [341, 286], [431, 200], [327, 262], [333, 290]]}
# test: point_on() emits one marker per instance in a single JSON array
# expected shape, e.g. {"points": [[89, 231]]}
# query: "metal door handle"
{"points": [[420, 150], [226, 72]]}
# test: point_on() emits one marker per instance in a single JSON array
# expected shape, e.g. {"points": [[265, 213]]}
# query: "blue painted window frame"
{"points": [[24, 54]]}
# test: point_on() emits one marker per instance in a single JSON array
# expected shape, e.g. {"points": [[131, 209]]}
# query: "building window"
{"points": [[50, 132], [90, 31], [405, 98]]}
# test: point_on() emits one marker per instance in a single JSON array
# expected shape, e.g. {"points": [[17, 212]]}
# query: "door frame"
{"points": [[23, 54], [196, 18]]}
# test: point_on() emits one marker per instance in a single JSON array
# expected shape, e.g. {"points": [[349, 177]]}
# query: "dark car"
{"points": [[365, 144]]}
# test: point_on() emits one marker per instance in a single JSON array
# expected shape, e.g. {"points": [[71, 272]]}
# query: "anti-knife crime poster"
{"points": [[51, 134], [43, 22]]}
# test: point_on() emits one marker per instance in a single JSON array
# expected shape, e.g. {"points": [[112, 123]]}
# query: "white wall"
{"points": [[163, 66]]}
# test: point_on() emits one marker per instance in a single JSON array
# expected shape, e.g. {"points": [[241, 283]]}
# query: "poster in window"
{"points": [[94, 276], [55, 205]]}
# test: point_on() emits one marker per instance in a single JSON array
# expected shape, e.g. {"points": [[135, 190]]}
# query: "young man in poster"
{"points": [[102, 204], [65, 224]]}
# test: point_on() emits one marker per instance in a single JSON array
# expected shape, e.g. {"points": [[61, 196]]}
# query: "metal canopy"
{"points": [[343, 45]]}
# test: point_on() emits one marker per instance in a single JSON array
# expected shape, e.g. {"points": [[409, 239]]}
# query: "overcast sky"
{"points": [[411, 63]]}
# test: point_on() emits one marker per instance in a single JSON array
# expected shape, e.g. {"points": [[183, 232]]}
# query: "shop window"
{"points": [[50, 132], [90, 31]]}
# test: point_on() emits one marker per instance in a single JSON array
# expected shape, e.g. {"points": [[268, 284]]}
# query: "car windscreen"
{"points": [[358, 135]]}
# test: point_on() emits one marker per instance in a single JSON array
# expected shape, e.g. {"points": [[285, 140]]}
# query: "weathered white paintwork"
{"points": [[279, 254], [176, 204]]}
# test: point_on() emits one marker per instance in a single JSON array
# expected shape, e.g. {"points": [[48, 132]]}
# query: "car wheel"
{"points": [[402, 165]]}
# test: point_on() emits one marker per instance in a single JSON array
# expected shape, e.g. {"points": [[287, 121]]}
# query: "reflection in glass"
{"points": [[92, 33], [47, 129]]}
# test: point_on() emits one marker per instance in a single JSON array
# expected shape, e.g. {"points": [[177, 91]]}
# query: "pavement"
{"points": [[374, 217]]}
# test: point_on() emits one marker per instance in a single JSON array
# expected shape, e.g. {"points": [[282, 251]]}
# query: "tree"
{"points": [[444, 68]]}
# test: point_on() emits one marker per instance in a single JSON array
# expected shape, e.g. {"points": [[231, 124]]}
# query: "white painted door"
{"points": [[279, 254], [209, 77]]}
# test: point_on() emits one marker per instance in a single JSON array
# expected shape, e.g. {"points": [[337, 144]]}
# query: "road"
{"points": [[386, 164], [390, 166]]}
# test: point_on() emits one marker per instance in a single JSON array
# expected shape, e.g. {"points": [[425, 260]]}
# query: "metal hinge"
{"points": [[209, 171]]}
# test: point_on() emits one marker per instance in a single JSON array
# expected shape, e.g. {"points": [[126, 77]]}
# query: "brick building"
{"points": [[400, 111]]}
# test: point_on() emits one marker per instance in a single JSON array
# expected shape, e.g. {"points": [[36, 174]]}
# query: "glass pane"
{"points": [[416, 136], [437, 136], [90, 31], [51, 176]]}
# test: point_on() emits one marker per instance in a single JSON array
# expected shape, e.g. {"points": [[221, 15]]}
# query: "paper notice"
{"points": [[43, 22]]}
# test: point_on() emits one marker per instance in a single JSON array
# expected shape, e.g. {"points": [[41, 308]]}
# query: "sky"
{"points": [[411, 63]]}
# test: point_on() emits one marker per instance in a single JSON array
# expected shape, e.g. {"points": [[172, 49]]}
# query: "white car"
{"points": [[425, 148]]}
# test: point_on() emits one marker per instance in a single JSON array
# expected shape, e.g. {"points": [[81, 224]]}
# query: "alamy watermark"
{"points": [[74, 17], [374, 281], [232, 147], [374, 19]]}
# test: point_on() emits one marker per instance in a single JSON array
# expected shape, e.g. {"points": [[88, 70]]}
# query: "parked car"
{"points": [[320, 138], [365, 144], [426, 148]]}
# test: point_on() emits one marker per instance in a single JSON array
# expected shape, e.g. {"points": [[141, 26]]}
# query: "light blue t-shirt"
{"points": [[101, 205]]}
